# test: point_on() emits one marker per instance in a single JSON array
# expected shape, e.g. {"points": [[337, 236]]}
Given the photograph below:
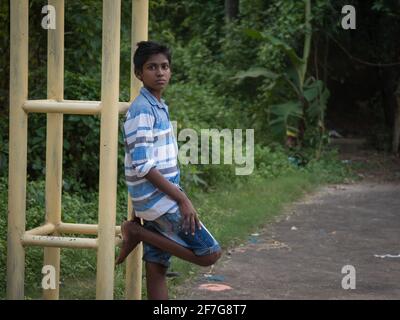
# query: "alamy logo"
{"points": [[349, 21], [349, 280], [49, 20], [196, 150], [49, 278]]}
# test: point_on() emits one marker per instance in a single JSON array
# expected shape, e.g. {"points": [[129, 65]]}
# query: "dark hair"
{"points": [[147, 48]]}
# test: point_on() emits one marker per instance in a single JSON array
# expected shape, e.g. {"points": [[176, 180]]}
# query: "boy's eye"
{"points": [[153, 67]]}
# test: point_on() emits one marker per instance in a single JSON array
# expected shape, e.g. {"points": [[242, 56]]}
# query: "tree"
{"points": [[231, 9]]}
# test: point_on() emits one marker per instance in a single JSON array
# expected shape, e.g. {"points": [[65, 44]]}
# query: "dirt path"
{"points": [[301, 256]]}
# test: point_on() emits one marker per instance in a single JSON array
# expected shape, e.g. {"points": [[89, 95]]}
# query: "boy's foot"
{"points": [[129, 231]]}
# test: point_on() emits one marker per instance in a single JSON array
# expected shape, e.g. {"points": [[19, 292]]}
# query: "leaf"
{"points": [[252, 33], [284, 113], [290, 52], [311, 94], [291, 108], [256, 72], [317, 96]]}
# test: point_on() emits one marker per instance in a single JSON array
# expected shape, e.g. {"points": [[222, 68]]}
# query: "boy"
{"points": [[171, 225]]}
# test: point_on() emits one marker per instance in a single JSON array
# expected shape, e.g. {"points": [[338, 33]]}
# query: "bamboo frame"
{"points": [[63, 227], [82, 228], [43, 230], [54, 142], [140, 17], [109, 108], [40, 236], [108, 148], [62, 242], [58, 242], [18, 141]]}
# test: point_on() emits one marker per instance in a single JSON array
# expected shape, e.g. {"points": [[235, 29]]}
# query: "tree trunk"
{"points": [[307, 41], [303, 71], [396, 126], [231, 9], [326, 57]]}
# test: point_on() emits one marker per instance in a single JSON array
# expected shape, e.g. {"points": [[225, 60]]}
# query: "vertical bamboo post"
{"points": [[140, 17], [18, 148], [108, 148], [54, 139]]}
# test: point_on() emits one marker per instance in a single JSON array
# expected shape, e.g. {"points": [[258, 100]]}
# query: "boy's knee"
{"points": [[211, 259]]}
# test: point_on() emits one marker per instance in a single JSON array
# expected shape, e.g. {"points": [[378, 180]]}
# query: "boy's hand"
{"points": [[190, 218], [188, 212]]}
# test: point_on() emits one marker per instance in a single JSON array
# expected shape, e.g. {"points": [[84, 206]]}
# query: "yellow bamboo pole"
{"points": [[108, 148], [54, 140], [140, 18], [18, 148], [140, 22]]}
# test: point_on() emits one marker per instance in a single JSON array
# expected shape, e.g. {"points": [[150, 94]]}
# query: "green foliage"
{"points": [[272, 162], [207, 52]]}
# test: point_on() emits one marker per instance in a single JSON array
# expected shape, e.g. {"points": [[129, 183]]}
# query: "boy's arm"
{"points": [[189, 213]]}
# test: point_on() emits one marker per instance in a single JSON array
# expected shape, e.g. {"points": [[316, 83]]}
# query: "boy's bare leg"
{"points": [[156, 281], [133, 233], [128, 242]]}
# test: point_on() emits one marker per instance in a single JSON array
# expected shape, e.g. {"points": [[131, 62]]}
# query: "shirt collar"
{"points": [[152, 99]]}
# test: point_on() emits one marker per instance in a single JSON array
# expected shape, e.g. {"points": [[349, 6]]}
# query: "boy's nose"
{"points": [[159, 72]]}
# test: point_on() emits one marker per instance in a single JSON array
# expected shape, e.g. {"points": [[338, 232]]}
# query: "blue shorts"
{"points": [[202, 243]]}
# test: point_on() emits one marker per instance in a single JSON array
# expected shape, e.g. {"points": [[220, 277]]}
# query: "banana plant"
{"points": [[311, 96]]}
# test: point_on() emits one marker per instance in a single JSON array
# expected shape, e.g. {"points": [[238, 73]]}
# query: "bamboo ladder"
{"points": [[50, 235]]}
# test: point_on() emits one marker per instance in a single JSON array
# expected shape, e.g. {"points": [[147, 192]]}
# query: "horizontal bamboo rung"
{"points": [[82, 228], [42, 230], [69, 106], [123, 107], [58, 242], [65, 106], [62, 242]]}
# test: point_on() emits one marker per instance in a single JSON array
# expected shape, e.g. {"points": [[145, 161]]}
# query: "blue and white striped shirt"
{"points": [[149, 142]]}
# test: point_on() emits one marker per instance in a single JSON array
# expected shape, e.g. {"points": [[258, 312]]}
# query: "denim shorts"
{"points": [[202, 243]]}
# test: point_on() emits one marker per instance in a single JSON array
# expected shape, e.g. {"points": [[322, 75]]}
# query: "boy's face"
{"points": [[156, 73]]}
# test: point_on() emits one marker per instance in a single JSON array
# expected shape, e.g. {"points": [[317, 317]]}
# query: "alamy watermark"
{"points": [[196, 149], [49, 20], [49, 278], [349, 20], [349, 280]]}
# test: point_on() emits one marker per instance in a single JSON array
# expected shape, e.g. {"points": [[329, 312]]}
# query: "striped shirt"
{"points": [[149, 143]]}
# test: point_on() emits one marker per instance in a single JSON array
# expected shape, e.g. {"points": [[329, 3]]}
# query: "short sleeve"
{"points": [[139, 140]]}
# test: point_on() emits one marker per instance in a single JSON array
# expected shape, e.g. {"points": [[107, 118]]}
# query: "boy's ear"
{"points": [[138, 75]]}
